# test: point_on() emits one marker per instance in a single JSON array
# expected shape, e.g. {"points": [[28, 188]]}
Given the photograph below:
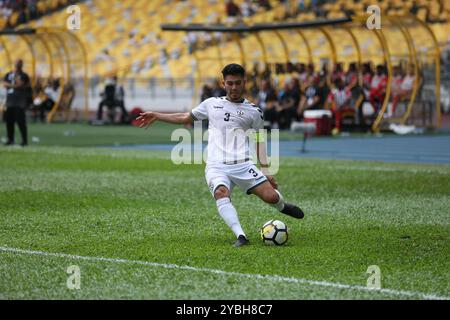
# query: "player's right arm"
{"points": [[198, 113], [147, 118]]}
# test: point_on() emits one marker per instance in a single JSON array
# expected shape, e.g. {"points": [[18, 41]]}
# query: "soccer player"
{"points": [[228, 162]]}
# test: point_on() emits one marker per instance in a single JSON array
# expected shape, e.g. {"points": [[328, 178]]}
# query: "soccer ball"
{"points": [[274, 232]]}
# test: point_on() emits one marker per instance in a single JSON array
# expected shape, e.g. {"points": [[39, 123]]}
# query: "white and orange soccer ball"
{"points": [[274, 232]]}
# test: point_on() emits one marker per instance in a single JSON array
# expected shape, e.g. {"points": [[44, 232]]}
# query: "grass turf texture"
{"points": [[84, 135], [137, 205]]}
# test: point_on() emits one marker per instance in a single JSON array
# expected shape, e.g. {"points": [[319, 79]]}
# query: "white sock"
{"points": [[229, 215], [280, 204]]}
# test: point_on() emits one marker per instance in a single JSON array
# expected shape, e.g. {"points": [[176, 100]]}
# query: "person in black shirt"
{"points": [[113, 96], [288, 101], [268, 101], [314, 96], [18, 98]]}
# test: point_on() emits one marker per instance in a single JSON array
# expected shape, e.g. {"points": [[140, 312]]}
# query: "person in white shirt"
{"points": [[228, 161], [47, 98], [405, 88]]}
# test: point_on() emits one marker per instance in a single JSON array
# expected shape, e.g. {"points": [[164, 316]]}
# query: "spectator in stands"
{"points": [[312, 99], [367, 75], [405, 88], [18, 98], [301, 7], [113, 96], [351, 77], [232, 9], [324, 73], [191, 40], [47, 98], [339, 101], [22, 17], [32, 7], [396, 82], [267, 73], [207, 93], [248, 8], [301, 73], [21, 11], [5, 11], [264, 4], [255, 74], [378, 88], [356, 91], [310, 76], [163, 56], [218, 90], [267, 101], [288, 103], [67, 96], [414, 7], [338, 72]]}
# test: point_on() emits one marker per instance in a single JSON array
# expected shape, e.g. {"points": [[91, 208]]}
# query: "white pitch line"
{"points": [[227, 273]]}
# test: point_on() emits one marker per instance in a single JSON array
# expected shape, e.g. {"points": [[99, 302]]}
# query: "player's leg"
{"points": [[249, 178], [229, 214], [270, 195], [220, 187]]}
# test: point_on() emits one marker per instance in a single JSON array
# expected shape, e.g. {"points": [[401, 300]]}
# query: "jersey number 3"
{"points": [[227, 117], [255, 174]]}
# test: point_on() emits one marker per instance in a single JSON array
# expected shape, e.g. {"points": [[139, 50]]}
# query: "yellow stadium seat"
{"points": [[100, 20]]}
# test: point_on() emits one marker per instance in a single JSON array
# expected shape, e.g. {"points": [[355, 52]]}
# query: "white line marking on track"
{"points": [[428, 296]]}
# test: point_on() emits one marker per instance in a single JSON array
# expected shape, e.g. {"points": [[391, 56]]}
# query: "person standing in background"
{"points": [[18, 97]]}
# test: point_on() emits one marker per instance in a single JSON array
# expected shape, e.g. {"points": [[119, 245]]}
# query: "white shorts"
{"points": [[245, 175]]}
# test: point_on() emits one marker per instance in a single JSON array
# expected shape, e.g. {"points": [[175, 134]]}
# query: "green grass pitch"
{"points": [[140, 227]]}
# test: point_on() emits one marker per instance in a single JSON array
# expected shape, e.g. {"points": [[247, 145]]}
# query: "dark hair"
{"points": [[233, 69]]}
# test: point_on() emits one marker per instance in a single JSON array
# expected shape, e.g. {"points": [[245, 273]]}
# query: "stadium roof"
{"points": [[251, 28]]}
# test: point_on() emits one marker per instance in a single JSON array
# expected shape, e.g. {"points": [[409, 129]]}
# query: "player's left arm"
{"points": [[261, 153]]}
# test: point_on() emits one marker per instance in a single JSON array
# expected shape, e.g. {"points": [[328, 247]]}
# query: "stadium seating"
{"points": [[125, 38]]}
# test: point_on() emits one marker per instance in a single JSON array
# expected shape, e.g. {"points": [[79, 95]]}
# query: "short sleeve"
{"points": [[258, 125], [201, 111], [258, 120]]}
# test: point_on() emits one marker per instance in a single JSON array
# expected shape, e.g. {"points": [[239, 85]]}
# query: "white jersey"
{"points": [[229, 129]]}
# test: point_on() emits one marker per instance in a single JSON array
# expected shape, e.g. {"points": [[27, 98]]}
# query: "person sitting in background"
{"points": [[67, 98], [367, 75], [218, 90], [248, 8], [378, 88], [113, 96], [356, 90], [232, 9], [207, 93], [405, 87], [351, 77], [338, 72], [338, 101], [267, 101], [314, 97], [46, 98], [289, 100], [309, 78], [396, 82], [301, 73]]}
